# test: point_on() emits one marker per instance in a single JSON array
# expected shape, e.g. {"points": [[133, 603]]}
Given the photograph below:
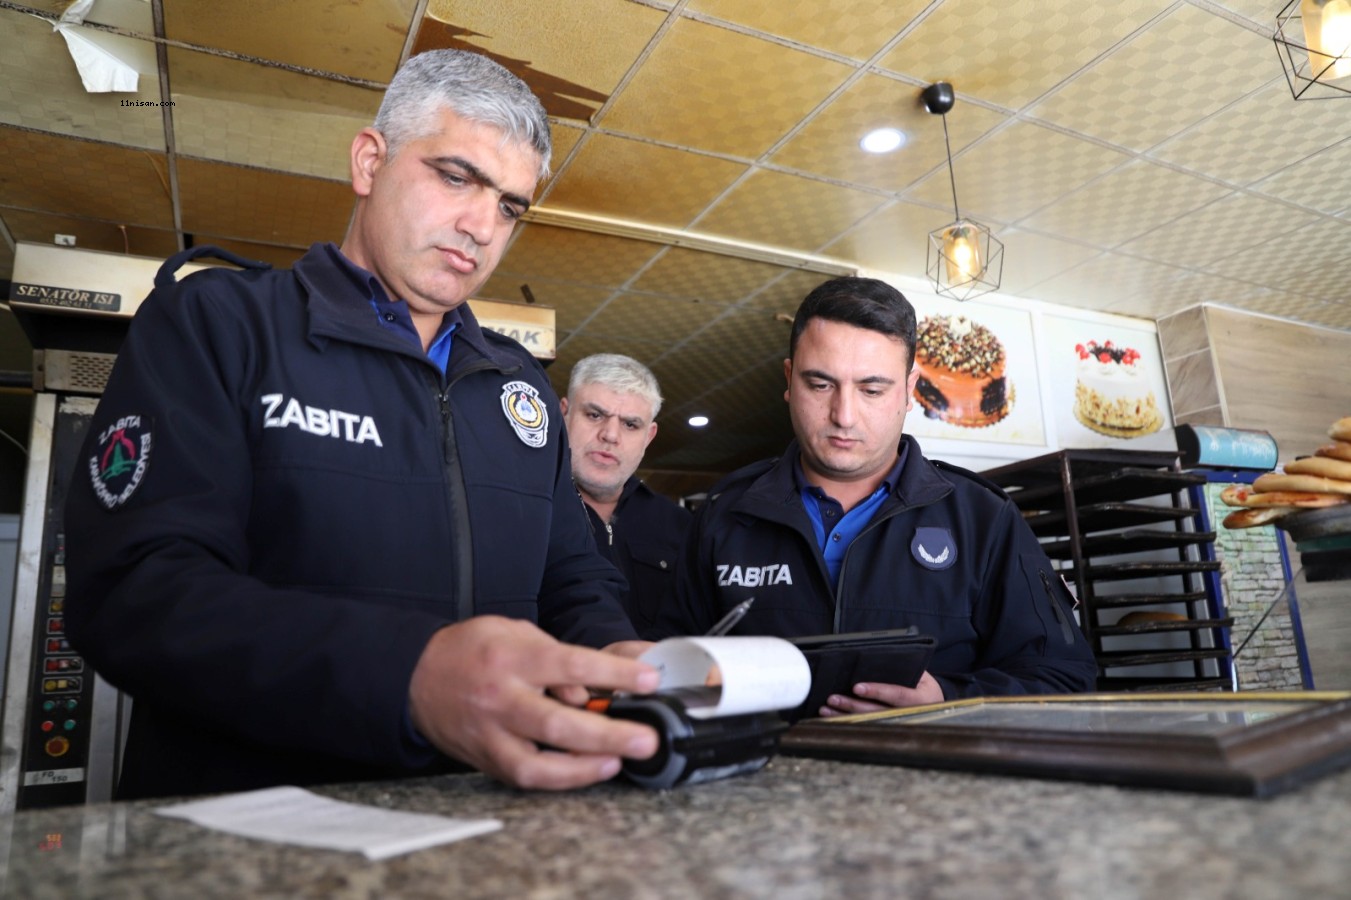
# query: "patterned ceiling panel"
{"points": [[1186, 67], [895, 239], [572, 303], [573, 348], [854, 28], [564, 138], [238, 112], [47, 172], [1319, 182], [829, 144], [697, 275], [714, 89], [1107, 282], [755, 334], [271, 207], [1030, 258], [1228, 226], [1140, 193], [42, 228], [785, 294], [1312, 260], [629, 179], [1017, 171], [768, 208], [647, 317], [1011, 53], [572, 54], [361, 40], [576, 256], [1258, 136], [1289, 306], [40, 88]]}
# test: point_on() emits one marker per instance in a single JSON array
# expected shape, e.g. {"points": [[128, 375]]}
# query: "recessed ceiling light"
{"points": [[883, 140], [698, 421]]}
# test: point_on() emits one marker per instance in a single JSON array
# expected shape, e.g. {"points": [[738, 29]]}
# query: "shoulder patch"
{"points": [[934, 548], [120, 460], [526, 412]]}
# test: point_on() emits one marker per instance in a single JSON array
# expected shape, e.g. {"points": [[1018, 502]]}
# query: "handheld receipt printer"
{"points": [[711, 731]]}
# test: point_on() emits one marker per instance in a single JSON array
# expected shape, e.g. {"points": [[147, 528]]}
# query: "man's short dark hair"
{"points": [[863, 303]]}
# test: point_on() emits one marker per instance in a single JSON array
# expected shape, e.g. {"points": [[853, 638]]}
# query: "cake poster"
{"points": [[1108, 385], [977, 374]]}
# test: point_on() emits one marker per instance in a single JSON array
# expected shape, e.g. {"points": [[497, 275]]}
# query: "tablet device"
{"points": [[840, 661]]}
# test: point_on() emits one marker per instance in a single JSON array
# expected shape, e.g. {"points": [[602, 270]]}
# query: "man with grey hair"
{"points": [[323, 528], [611, 411]]}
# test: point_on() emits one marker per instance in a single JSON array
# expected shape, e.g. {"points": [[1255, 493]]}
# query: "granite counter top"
{"points": [[800, 828]]}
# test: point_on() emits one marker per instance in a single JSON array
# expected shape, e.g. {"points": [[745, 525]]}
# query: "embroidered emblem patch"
{"points": [[121, 456], [933, 548], [526, 413]]}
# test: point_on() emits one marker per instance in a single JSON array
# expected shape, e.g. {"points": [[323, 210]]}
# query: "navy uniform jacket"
{"points": [[947, 552], [280, 501], [643, 541]]}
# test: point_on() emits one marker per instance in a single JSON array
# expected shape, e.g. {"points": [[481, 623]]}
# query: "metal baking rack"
{"points": [[1121, 527]]}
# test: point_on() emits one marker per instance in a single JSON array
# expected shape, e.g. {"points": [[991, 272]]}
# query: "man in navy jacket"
{"points": [[323, 527], [611, 413], [852, 529]]}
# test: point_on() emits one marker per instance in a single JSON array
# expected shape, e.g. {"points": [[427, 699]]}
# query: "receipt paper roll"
{"points": [[758, 674]]}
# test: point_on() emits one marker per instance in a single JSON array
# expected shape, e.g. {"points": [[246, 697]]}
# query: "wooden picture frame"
{"points": [[1247, 744]]}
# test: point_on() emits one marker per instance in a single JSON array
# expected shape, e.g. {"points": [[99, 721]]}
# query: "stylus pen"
{"points": [[727, 622]]}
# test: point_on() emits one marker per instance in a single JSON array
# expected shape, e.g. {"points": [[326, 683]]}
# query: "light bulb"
{"points": [[1327, 31], [961, 253]]}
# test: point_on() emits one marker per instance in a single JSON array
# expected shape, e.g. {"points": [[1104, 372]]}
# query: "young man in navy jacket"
{"points": [[853, 529], [323, 527]]}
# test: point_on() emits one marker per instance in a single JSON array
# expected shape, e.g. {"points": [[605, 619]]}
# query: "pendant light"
{"points": [[1313, 41], [964, 259]]}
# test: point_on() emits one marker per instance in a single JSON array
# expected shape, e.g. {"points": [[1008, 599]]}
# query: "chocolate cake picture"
{"points": [[961, 372]]}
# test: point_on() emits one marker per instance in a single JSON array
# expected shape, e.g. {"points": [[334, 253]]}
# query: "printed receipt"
{"points": [[291, 815], [756, 674]]}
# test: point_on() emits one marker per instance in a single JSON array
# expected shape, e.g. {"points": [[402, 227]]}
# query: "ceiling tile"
{"points": [[829, 144], [624, 178], [855, 28], [786, 293], [1289, 306], [269, 207], [1258, 136], [572, 54], [717, 90], [768, 208], [1031, 258], [1108, 281], [564, 138], [699, 275], [572, 303], [895, 239], [40, 88], [1011, 53], [1322, 182], [1184, 67], [243, 113], [25, 225], [1013, 173], [1263, 12], [361, 40], [647, 317], [47, 172], [1139, 194], [1312, 260], [576, 256], [1206, 235]]}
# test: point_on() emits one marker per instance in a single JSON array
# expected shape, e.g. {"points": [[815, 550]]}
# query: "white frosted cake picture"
{"points": [[1112, 394]]}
